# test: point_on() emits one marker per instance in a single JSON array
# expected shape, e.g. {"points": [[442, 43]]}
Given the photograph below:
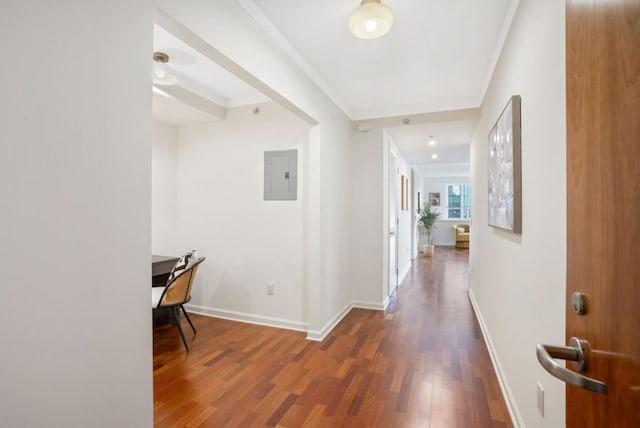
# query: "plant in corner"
{"points": [[427, 217]]}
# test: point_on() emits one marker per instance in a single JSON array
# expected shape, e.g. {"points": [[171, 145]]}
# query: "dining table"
{"points": [[161, 268]]}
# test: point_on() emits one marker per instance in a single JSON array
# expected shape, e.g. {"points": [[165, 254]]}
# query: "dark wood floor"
{"points": [[421, 363]]}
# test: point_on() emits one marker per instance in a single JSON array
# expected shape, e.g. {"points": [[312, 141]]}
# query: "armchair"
{"points": [[461, 234]]}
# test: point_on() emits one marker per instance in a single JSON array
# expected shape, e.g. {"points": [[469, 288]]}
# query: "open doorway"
{"points": [[435, 157], [212, 128], [394, 196]]}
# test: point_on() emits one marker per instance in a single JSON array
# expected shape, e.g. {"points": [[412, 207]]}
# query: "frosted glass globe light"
{"points": [[370, 20], [161, 75]]}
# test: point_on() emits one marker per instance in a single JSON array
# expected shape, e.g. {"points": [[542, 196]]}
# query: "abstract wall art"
{"points": [[504, 170]]}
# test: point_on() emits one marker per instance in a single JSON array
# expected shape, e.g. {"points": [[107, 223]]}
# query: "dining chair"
{"points": [[175, 294]]}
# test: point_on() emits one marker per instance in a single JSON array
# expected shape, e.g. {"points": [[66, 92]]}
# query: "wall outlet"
{"points": [[270, 289], [540, 390]]}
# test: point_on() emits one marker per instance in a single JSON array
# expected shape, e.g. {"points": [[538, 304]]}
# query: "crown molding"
{"points": [[265, 23], [511, 13]]}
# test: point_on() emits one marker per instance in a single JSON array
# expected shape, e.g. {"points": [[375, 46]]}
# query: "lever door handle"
{"points": [[577, 352]]}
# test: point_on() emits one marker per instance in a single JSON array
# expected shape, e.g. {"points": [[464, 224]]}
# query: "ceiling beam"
{"points": [[193, 101]]}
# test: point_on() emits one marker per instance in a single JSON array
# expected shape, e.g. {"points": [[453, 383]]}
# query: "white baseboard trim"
{"points": [[361, 304], [509, 399], [404, 273], [445, 243], [247, 318], [386, 302], [319, 335], [315, 335]]}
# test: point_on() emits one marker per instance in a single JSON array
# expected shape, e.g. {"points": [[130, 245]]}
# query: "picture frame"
{"points": [[504, 174], [434, 199]]}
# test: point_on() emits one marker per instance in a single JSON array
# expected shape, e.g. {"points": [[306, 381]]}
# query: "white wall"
{"points": [[248, 242], [164, 190], [75, 318], [335, 216], [226, 25], [443, 233], [518, 281], [367, 218]]}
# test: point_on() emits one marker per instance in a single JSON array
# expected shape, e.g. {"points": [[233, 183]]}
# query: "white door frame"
{"points": [[394, 197]]}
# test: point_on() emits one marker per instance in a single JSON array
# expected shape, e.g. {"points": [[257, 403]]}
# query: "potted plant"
{"points": [[427, 217]]}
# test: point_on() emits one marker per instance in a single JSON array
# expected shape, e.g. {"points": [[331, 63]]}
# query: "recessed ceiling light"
{"points": [[432, 141], [434, 156]]}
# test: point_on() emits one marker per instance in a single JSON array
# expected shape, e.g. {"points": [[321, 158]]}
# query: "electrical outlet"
{"points": [[270, 289], [540, 390]]}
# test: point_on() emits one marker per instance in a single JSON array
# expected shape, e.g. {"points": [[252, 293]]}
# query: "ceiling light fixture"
{"points": [[434, 156], [432, 141], [161, 75], [370, 20]]}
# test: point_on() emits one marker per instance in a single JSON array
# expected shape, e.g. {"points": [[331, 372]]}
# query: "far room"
{"points": [[228, 180]]}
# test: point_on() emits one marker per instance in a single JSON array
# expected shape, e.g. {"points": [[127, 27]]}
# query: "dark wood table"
{"points": [[160, 268]]}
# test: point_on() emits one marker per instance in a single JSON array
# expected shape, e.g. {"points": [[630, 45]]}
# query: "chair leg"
{"points": [[176, 315], [188, 319]]}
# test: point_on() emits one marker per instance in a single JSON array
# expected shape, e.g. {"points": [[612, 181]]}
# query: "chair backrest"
{"points": [[178, 291]]}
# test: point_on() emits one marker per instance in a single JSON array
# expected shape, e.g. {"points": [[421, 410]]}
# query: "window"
{"points": [[459, 201]]}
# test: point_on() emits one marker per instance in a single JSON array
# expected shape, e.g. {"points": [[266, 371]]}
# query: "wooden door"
{"points": [[603, 205]]}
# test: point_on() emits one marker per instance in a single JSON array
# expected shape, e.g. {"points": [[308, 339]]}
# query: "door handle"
{"points": [[578, 353]]}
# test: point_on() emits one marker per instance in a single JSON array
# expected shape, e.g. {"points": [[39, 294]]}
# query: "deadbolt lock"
{"points": [[579, 303]]}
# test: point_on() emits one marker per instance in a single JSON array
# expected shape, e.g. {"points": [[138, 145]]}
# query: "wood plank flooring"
{"points": [[421, 363]]}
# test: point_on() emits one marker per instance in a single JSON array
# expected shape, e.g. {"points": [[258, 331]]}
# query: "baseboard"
{"points": [[319, 335], [445, 244], [404, 273], [315, 335], [247, 318], [361, 304], [386, 302], [509, 399]]}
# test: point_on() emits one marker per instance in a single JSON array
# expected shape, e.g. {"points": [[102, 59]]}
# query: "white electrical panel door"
{"points": [[281, 175]]}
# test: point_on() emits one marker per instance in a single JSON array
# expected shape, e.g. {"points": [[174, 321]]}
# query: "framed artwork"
{"points": [[504, 170], [434, 199]]}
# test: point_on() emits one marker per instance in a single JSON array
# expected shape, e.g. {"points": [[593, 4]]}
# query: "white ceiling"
{"points": [[452, 138], [201, 76], [438, 55]]}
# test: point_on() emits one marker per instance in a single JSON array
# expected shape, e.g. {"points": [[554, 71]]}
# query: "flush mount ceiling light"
{"points": [[432, 141], [370, 20], [161, 75], [434, 156]]}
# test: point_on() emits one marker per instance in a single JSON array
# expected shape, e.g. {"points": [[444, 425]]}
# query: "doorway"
{"points": [[393, 224]]}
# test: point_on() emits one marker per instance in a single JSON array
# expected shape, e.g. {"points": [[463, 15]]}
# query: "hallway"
{"points": [[421, 363]]}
